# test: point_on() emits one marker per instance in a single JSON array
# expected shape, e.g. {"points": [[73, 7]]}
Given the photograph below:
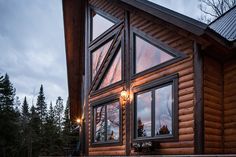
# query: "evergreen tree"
{"points": [[58, 112], [66, 120], [17, 104], [25, 109], [52, 142], [9, 123], [8, 94], [25, 135], [1, 91], [41, 106], [34, 133]]}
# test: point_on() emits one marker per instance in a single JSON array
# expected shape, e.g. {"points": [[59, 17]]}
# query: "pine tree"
{"points": [[66, 122], [17, 104], [41, 106], [58, 112], [25, 135], [52, 142], [9, 123], [1, 91], [34, 134], [8, 94], [25, 108]]}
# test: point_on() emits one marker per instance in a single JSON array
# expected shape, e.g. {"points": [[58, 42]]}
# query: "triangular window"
{"points": [[147, 55], [98, 56], [113, 74], [99, 25]]}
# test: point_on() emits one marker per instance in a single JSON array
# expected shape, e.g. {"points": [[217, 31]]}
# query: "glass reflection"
{"points": [[147, 55], [99, 25], [114, 73], [144, 102], [163, 110], [98, 57], [99, 119], [113, 122]]}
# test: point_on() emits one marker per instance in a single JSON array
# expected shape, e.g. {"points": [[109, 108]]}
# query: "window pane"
{"points": [[99, 119], [98, 57], [113, 121], [163, 110], [147, 55], [144, 103], [100, 25], [114, 73]]}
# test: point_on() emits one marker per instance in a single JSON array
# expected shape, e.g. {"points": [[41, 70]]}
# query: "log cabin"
{"points": [[144, 79]]}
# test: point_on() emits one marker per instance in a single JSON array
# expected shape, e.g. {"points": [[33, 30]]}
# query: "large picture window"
{"points": [[147, 55], [150, 54], [106, 122], [155, 107]]}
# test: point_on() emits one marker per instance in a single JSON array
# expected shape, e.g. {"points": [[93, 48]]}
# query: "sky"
{"points": [[32, 46], [187, 7], [32, 49]]}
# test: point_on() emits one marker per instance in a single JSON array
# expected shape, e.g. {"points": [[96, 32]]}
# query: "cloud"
{"points": [[185, 7], [32, 47]]}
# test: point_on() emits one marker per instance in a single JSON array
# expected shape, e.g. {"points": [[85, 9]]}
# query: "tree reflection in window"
{"points": [[99, 119], [161, 100], [148, 55], [99, 25], [113, 121], [107, 123], [114, 73], [98, 57], [163, 110], [144, 102]]}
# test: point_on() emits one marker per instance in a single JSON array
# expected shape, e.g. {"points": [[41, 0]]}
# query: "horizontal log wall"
{"points": [[230, 106], [161, 31], [117, 12], [213, 107]]}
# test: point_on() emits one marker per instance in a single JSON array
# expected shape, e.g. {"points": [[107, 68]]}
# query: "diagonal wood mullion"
{"points": [[110, 52]]}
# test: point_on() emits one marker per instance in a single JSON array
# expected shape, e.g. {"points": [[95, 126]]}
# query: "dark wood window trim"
{"points": [[101, 102], [152, 86], [106, 16], [97, 91], [114, 32], [112, 36], [166, 48]]}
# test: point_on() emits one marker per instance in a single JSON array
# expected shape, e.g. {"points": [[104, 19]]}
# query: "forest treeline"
{"points": [[30, 130]]}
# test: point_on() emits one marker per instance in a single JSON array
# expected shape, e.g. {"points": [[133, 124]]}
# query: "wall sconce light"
{"points": [[124, 96], [78, 121]]}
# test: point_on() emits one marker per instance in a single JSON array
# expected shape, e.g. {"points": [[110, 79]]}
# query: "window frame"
{"points": [[112, 33], [97, 91], [155, 42], [104, 102], [103, 14], [152, 87]]}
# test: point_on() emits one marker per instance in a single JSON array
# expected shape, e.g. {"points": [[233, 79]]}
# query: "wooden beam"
{"points": [[199, 108], [127, 78], [73, 12]]}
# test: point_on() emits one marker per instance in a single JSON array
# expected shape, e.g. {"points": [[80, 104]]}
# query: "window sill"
{"points": [[106, 144], [160, 138]]}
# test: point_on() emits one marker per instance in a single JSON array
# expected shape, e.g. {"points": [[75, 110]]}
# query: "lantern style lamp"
{"points": [[78, 121], [124, 96]]}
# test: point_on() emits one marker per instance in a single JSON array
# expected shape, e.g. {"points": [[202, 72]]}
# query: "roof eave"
{"points": [[182, 21]]}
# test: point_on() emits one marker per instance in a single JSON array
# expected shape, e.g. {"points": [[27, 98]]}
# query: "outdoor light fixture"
{"points": [[78, 121], [124, 96]]}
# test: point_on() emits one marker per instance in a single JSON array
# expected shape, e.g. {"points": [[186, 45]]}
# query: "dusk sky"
{"points": [[32, 47]]}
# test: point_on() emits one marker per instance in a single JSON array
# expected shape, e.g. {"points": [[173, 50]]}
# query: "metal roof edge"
{"points": [[177, 19]]}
